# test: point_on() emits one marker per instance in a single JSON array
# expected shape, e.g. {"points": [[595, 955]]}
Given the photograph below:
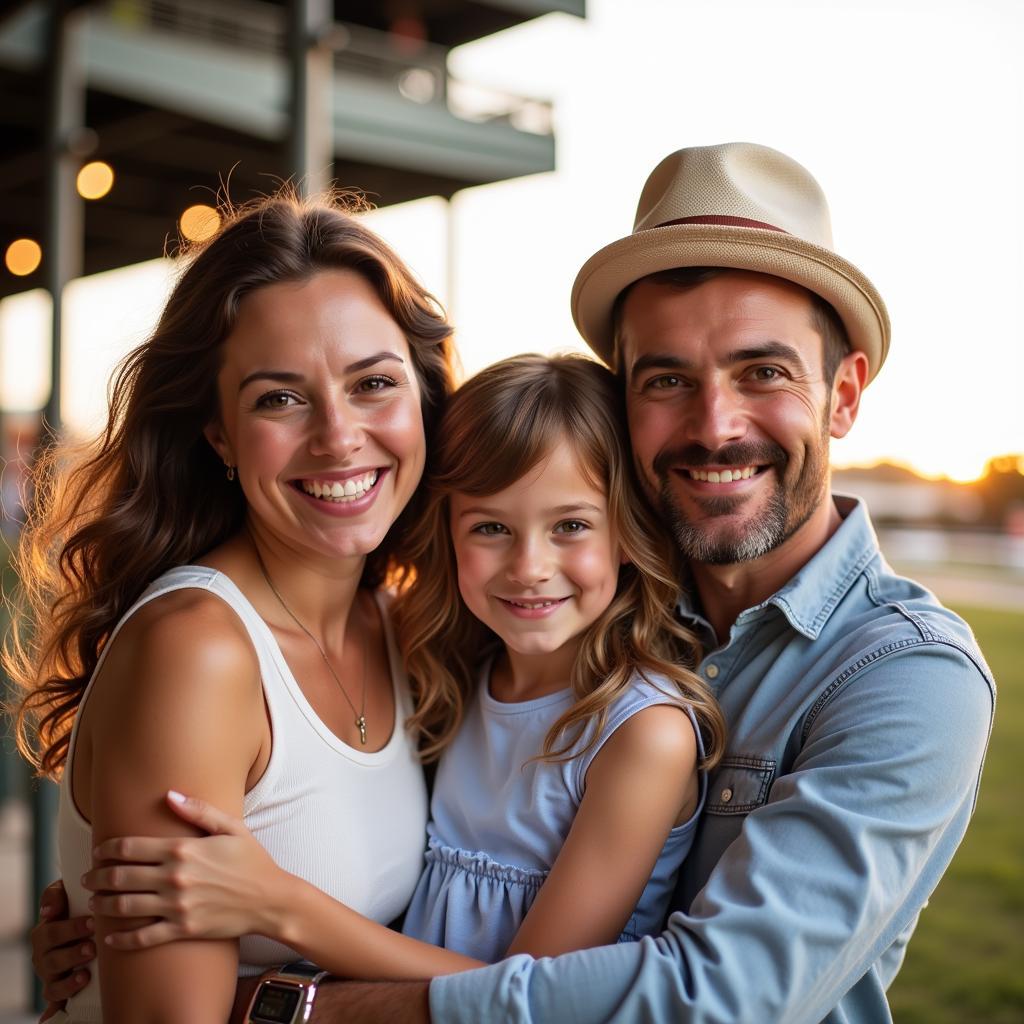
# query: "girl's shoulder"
{"points": [[642, 691], [648, 716]]}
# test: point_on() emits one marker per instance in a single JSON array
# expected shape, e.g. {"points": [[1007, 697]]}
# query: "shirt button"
{"points": [[726, 795], [711, 671]]}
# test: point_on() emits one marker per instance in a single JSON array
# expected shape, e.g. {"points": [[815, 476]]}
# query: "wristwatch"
{"points": [[285, 994]]}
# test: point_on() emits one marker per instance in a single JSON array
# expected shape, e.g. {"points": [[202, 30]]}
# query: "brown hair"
{"points": [[824, 318], [497, 427], [149, 493]]}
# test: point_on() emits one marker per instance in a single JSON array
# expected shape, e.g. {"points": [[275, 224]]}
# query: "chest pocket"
{"points": [[739, 785]]}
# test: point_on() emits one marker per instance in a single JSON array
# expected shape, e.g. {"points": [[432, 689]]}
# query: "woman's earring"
{"points": [[231, 470]]}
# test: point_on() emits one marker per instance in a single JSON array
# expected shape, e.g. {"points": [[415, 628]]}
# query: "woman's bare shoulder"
{"points": [[184, 639]]}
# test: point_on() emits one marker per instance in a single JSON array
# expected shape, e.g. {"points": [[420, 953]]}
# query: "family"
{"points": [[695, 752]]}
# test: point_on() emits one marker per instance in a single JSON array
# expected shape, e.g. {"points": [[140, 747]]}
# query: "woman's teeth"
{"points": [[722, 476], [341, 490]]}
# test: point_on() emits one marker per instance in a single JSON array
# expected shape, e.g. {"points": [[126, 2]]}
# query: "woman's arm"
{"points": [[179, 700], [227, 885], [640, 783]]}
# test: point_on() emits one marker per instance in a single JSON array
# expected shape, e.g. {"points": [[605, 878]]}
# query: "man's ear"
{"points": [[850, 380], [214, 433]]}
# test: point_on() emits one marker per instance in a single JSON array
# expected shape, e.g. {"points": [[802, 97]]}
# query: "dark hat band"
{"points": [[722, 219]]}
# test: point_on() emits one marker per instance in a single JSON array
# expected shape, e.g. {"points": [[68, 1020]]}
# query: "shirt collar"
{"points": [[810, 597]]}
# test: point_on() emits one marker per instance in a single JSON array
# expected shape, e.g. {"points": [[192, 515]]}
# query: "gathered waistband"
{"points": [[483, 866]]}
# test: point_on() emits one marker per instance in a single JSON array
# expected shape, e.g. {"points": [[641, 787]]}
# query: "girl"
{"points": [[202, 602], [548, 669]]}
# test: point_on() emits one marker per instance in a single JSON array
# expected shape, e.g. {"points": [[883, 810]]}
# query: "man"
{"points": [[858, 709]]}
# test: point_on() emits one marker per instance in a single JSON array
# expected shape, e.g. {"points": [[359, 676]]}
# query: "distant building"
{"points": [[898, 495]]}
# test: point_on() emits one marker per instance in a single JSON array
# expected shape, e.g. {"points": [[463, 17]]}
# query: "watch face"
{"points": [[276, 1003]]}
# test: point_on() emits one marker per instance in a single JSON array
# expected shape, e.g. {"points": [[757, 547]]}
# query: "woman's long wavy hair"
{"points": [[108, 517], [496, 428]]}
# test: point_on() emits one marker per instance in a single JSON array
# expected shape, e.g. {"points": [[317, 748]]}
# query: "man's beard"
{"points": [[786, 509]]}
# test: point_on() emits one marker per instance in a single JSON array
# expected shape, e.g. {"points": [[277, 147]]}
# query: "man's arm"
{"points": [[354, 1002], [821, 881]]}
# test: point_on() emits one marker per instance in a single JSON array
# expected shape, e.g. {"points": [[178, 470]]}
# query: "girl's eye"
{"points": [[378, 382], [572, 526], [276, 400], [489, 529]]}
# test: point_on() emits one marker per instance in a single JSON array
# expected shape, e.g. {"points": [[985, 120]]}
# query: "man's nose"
{"points": [[715, 417]]}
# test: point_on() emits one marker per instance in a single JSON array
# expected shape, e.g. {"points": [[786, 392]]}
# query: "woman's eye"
{"points": [[489, 529], [572, 526], [276, 400], [378, 382]]}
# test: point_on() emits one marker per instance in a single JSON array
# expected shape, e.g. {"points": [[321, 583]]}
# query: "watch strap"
{"points": [[301, 969]]}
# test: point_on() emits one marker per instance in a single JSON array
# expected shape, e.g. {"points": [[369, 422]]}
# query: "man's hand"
{"points": [[61, 946]]}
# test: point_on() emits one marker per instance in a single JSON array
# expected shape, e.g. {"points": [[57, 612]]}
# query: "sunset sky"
{"points": [[909, 113]]}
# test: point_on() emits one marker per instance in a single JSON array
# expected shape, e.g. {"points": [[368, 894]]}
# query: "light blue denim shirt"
{"points": [[858, 711]]}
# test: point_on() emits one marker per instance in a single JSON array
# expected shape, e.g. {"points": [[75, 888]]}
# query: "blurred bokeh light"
{"points": [[199, 222], [23, 256], [95, 180]]}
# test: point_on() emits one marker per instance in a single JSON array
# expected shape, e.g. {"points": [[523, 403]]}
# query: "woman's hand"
{"points": [[61, 946], [219, 886]]}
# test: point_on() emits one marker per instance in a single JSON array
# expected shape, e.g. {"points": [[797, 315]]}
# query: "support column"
{"points": [[311, 134], [63, 245]]}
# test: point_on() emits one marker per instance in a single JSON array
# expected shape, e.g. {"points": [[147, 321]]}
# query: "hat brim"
{"points": [[604, 276]]}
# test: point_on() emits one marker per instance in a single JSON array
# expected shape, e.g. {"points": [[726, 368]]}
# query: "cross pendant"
{"points": [[361, 726]]}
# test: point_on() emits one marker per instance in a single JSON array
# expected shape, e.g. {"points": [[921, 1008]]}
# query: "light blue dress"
{"points": [[498, 821]]}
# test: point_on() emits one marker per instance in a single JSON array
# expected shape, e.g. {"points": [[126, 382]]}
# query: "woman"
{"points": [[260, 450]]}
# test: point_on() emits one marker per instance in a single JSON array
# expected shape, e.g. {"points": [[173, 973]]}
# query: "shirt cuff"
{"points": [[472, 996]]}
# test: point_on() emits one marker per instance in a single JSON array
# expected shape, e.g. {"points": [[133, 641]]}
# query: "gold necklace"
{"points": [[361, 714]]}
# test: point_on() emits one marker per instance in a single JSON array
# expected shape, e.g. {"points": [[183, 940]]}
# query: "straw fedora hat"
{"points": [[741, 206]]}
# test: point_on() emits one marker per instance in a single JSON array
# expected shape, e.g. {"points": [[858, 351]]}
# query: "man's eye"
{"points": [[663, 382], [766, 373], [572, 526], [489, 529]]}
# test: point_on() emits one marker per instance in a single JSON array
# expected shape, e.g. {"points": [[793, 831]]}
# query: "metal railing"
{"points": [[415, 69]]}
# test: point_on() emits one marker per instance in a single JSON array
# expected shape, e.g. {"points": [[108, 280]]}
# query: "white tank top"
{"points": [[351, 823]]}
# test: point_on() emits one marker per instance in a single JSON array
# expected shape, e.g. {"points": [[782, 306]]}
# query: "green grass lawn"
{"points": [[965, 964]]}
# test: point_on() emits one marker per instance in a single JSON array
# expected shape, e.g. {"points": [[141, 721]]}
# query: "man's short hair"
{"points": [[824, 319]]}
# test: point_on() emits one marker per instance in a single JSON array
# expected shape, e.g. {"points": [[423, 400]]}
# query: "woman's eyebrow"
{"points": [[289, 377], [278, 376]]}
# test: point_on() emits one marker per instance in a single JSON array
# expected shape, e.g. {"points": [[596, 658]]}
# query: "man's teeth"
{"points": [[722, 476], [543, 603], [341, 490]]}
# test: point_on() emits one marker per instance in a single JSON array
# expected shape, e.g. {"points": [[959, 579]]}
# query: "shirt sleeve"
{"points": [[823, 879]]}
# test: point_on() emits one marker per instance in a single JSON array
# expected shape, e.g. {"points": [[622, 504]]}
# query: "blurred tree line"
{"points": [[1001, 490]]}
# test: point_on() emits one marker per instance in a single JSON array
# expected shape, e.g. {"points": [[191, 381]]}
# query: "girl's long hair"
{"points": [[108, 517], [497, 427]]}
